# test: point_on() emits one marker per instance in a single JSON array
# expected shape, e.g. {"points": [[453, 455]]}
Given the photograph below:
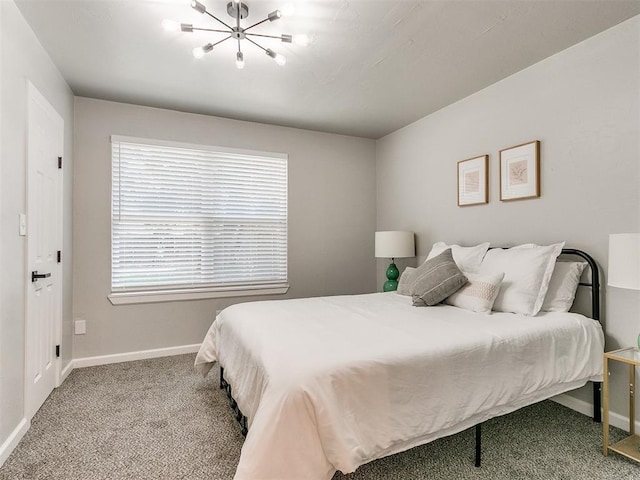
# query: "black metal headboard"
{"points": [[595, 314], [595, 280]]}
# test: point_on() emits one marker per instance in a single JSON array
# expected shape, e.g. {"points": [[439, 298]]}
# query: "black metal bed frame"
{"points": [[597, 386], [242, 420], [595, 314]]}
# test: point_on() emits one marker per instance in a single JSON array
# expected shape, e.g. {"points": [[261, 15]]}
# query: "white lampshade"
{"points": [[624, 260], [395, 244]]}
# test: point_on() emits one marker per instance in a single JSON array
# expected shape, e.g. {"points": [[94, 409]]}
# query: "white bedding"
{"points": [[331, 383]]}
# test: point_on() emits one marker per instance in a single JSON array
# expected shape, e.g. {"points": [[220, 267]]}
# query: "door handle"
{"points": [[35, 276]]}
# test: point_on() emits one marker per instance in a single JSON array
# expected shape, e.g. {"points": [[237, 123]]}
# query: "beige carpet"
{"points": [[157, 419]]}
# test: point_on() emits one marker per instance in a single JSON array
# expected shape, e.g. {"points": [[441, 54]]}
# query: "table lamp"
{"points": [[394, 244], [624, 262]]}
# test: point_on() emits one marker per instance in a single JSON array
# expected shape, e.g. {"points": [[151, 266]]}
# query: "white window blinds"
{"points": [[195, 217]]}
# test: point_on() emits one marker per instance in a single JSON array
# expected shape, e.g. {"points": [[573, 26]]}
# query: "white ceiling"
{"points": [[373, 66]]}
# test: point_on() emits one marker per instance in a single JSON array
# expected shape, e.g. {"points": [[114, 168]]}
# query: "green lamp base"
{"points": [[391, 285]]}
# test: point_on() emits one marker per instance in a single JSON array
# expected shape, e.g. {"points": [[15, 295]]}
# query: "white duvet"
{"points": [[334, 382]]}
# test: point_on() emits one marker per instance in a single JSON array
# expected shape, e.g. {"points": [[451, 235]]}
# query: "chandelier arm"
{"points": [[216, 18], [279, 37], [210, 30], [220, 41], [256, 44], [256, 24]]}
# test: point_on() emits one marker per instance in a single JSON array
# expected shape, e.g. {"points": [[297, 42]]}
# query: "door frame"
{"points": [[34, 95]]}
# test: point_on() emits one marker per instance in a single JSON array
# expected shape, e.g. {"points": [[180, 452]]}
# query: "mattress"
{"points": [[331, 383]]}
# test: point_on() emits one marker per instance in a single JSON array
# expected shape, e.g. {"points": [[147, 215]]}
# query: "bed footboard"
{"points": [[242, 420]]}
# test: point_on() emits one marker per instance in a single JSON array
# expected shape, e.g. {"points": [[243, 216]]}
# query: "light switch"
{"points": [[80, 327]]}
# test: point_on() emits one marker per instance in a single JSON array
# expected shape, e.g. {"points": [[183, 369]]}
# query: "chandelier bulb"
{"points": [[170, 25], [196, 5], [240, 60], [301, 39], [199, 52], [275, 15], [280, 59]]}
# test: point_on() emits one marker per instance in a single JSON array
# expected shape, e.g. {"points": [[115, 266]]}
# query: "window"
{"points": [[194, 221]]}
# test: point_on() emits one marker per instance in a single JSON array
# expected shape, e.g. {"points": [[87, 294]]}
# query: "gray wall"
{"points": [[23, 58], [331, 220], [583, 105]]}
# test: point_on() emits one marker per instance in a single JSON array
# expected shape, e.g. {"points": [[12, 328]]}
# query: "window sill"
{"points": [[128, 298]]}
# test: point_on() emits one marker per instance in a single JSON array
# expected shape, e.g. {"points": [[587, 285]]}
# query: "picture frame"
{"points": [[520, 172], [473, 181]]}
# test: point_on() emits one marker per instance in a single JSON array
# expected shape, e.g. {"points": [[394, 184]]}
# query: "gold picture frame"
{"points": [[473, 181], [520, 172]]}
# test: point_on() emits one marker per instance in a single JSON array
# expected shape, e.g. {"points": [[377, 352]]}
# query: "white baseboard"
{"points": [[573, 403], [66, 371], [131, 356], [12, 441], [586, 408], [14, 438]]}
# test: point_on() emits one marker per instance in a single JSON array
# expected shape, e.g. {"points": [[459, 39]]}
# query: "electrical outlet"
{"points": [[80, 327]]}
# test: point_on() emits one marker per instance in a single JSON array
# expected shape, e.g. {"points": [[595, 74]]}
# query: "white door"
{"points": [[45, 139]]}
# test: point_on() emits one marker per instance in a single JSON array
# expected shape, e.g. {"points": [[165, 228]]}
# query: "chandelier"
{"points": [[238, 10]]}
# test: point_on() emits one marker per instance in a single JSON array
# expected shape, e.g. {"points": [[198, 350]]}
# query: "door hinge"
{"points": [[59, 162], [59, 257], [57, 351]]}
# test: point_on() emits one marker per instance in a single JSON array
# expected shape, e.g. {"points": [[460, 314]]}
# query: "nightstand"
{"points": [[630, 446]]}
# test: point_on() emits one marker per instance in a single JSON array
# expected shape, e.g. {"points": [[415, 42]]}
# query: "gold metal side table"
{"points": [[630, 446]]}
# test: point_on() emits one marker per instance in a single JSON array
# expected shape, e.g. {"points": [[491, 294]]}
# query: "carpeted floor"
{"points": [[157, 419]]}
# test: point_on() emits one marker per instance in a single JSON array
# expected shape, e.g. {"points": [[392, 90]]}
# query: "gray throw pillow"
{"points": [[405, 281], [435, 280]]}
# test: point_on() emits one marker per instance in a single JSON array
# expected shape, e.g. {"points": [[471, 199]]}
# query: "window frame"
{"points": [[172, 293]]}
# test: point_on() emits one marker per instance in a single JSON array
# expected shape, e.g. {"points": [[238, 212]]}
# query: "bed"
{"points": [[330, 383]]}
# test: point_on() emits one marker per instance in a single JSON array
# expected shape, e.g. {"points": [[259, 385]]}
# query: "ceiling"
{"points": [[373, 65]]}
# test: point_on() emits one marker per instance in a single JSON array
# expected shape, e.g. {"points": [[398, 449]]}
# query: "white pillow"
{"points": [[468, 259], [562, 287], [527, 273], [478, 294]]}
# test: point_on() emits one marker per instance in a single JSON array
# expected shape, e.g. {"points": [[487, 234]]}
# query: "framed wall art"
{"points": [[473, 181], [520, 172]]}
